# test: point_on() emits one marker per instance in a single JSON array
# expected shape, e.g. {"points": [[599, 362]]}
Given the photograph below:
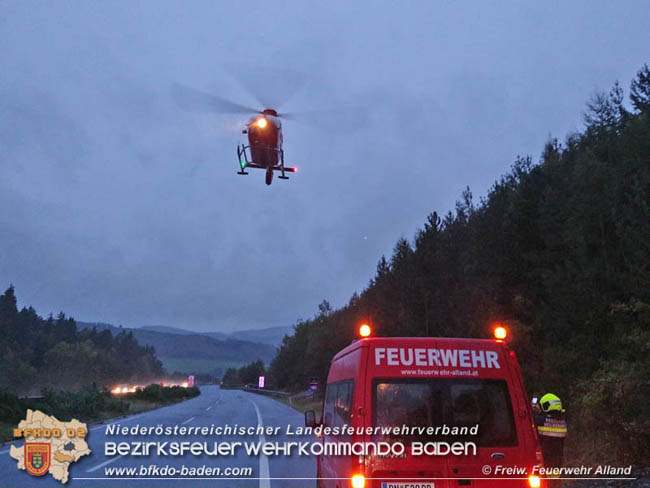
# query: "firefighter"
{"points": [[552, 430]]}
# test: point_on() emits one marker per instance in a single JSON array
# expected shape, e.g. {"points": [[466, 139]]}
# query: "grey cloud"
{"points": [[118, 206]]}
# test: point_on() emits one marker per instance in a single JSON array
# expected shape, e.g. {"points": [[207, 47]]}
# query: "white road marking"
{"points": [[188, 421], [101, 465], [265, 482], [209, 407]]}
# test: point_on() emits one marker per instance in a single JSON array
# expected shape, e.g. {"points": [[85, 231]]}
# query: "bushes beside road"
{"points": [[166, 394], [88, 405]]}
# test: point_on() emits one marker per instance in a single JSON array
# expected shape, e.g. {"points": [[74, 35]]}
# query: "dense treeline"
{"points": [[560, 251], [38, 353], [246, 375]]}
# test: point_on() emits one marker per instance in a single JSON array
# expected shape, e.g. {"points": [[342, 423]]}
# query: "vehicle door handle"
{"points": [[497, 455]]}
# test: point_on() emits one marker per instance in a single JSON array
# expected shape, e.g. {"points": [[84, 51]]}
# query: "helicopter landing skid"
{"points": [[241, 151], [244, 163]]}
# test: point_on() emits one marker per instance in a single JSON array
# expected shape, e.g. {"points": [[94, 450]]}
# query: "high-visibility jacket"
{"points": [[551, 424]]}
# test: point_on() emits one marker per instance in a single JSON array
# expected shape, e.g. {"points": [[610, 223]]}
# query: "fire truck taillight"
{"points": [[534, 481], [358, 481], [365, 330]]}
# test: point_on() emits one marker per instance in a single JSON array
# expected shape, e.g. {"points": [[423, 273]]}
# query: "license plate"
{"points": [[407, 484]]}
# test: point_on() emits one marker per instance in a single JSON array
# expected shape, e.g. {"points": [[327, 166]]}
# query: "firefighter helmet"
{"points": [[550, 402]]}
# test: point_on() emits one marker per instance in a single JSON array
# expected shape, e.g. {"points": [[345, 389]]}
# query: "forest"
{"points": [[245, 375], [38, 354], [559, 250]]}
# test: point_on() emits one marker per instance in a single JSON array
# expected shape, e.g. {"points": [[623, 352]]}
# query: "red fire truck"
{"points": [[423, 388]]}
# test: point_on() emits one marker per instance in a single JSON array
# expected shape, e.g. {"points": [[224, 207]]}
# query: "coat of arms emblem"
{"points": [[37, 458]]}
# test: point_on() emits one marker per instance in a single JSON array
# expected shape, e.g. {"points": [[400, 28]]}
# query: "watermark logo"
{"points": [[51, 446]]}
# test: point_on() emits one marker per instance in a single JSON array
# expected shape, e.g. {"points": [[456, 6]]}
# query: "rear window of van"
{"points": [[454, 402]]}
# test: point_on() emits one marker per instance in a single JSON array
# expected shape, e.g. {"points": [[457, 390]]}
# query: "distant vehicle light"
{"points": [[534, 481], [358, 481], [365, 330], [500, 332], [185, 384], [261, 122]]}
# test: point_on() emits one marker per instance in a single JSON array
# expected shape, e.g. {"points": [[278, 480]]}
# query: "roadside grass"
{"points": [[304, 403]]}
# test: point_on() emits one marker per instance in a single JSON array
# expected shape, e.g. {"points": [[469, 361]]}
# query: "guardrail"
{"points": [[264, 391], [259, 391]]}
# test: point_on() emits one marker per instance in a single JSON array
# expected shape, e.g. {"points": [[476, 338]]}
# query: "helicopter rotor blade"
{"points": [[271, 87], [198, 101], [339, 119]]}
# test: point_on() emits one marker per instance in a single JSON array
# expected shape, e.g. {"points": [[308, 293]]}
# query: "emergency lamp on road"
{"points": [[534, 481], [500, 332], [358, 480], [364, 330]]}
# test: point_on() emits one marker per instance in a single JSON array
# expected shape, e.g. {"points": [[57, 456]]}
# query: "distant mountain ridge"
{"points": [[178, 331], [173, 330], [271, 335], [202, 352]]}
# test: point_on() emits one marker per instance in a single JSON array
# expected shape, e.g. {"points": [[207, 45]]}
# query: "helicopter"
{"points": [[265, 144], [264, 131]]}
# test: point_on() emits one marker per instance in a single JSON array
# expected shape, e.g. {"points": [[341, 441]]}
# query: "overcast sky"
{"points": [[118, 206]]}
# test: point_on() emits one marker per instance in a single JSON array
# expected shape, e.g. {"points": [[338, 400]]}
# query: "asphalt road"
{"points": [[213, 406]]}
